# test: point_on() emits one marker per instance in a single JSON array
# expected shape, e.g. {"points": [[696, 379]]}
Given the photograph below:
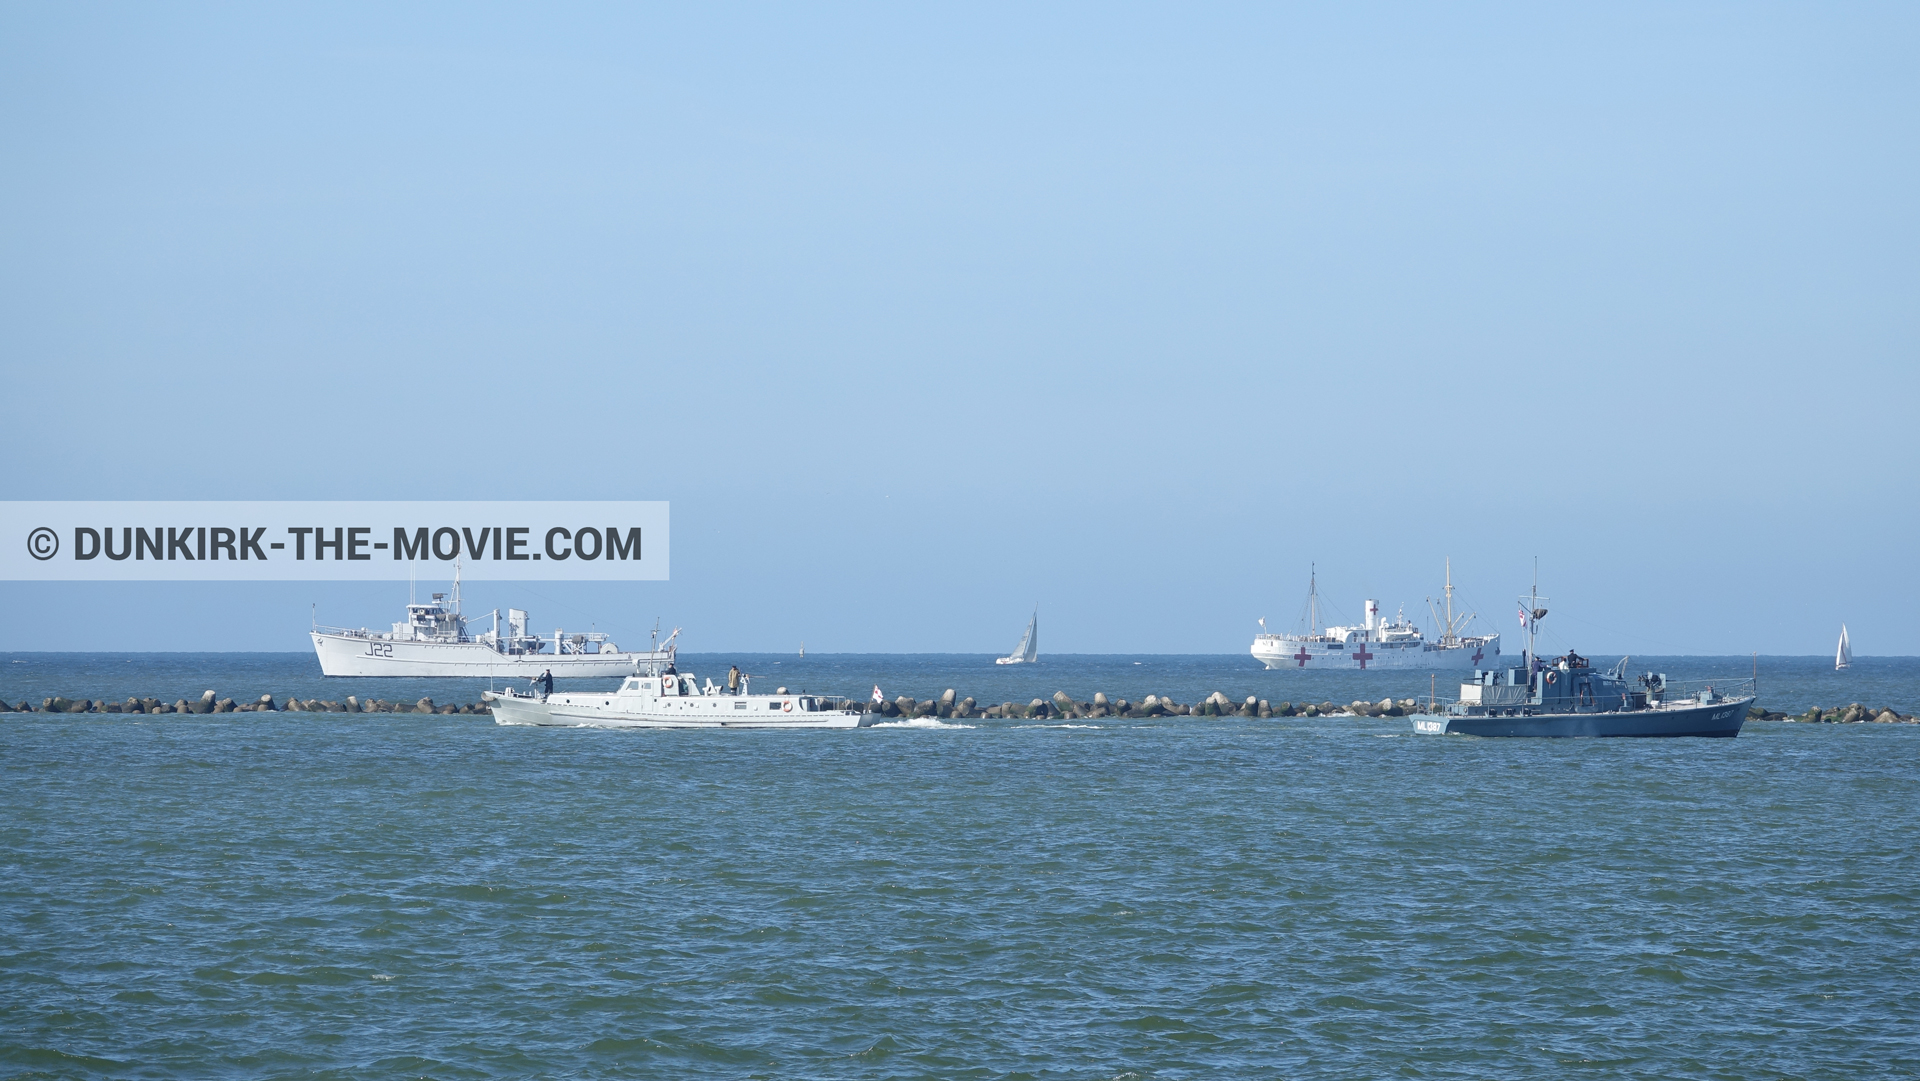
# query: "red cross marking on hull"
{"points": [[1363, 656], [1303, 656], [1478, 653]]}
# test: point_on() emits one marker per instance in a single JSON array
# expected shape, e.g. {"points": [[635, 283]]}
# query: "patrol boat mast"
{"points": [[1535, 614]]}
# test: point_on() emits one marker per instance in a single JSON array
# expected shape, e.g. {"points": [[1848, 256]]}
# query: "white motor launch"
{"points": [[674, 700]]}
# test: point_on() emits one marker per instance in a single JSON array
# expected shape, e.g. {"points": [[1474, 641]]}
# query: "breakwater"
{"points": [[948, 705], [1063, 706], [210, 702]]}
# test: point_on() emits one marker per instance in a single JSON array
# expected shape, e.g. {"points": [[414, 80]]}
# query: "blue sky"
{"points": [[923, 315]]}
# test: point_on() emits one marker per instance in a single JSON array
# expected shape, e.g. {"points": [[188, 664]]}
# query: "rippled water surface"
{"points": [[330, 895]]}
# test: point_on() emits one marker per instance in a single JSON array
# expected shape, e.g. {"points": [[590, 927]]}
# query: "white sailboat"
{"points": [[1843, 657], [1028, 651]]}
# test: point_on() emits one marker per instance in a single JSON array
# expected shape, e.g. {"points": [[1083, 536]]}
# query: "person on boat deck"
{"points": [[671, 670], [733, 680], [546, 681]]}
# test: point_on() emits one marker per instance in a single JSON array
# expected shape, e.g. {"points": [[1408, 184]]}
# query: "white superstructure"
{"points": [[673, 700], [433, 641], [1376, 643]]}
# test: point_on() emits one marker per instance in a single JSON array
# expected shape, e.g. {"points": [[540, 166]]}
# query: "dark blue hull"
{"points": [[1719, 720]]}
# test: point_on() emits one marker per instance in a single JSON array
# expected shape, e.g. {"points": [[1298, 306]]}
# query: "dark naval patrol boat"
{"points": [[1566, 696]]}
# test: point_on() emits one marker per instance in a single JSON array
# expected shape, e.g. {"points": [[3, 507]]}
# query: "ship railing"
{"points": [[362, 632], [1661, 692], [1696, 690]]}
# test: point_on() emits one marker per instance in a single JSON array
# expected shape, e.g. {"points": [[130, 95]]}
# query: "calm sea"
{"points": [[352, 896]]}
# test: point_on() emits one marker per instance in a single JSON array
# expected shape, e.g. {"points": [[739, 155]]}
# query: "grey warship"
{"points": [[1567, 696]]}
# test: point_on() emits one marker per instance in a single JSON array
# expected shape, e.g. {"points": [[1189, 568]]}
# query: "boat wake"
{"points": [[920, 722], [1094, 726]]}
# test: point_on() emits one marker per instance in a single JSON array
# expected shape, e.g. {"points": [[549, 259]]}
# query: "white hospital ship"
{"points": [[434, 641], [1376, 643]]}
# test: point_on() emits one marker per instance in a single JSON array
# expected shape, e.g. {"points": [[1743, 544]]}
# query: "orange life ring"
{"points": [[1552, 676], [786, 707]]}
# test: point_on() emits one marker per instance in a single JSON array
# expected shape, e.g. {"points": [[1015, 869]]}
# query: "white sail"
{"points": [[1028, 651], [1843, 657]]}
